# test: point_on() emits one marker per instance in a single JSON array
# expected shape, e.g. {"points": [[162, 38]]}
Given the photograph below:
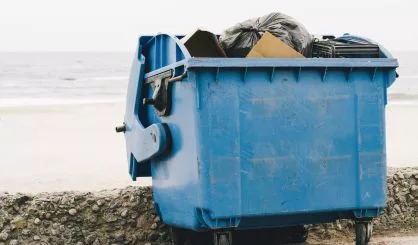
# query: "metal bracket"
{"points": [[161, 98]]}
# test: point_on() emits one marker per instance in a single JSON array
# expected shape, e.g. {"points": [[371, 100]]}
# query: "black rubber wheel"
{"points": [[361, 233], [180, 236]]}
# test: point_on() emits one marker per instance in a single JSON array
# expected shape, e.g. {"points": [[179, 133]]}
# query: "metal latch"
{"points": [[161, 97]]}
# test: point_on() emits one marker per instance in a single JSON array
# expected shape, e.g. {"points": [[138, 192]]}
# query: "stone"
{"points": [[36, 238], [13, 242], [414, 190], [97, 242], [153, 236], [91, 238], [18, 222], [154, 226], [157, 219], [37, 221], [62, 228], [79, 243], [401, 176], [95, 208], [397, 208], [55, 226], [3, 236], [25, 232], [124, 213], [72, 211]]}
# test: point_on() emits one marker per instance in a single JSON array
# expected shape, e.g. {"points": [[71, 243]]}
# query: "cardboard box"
{"points": [[270, 46], [203, 44]]}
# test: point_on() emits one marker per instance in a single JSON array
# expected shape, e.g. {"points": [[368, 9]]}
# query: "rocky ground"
{"points": [[127, 216]]}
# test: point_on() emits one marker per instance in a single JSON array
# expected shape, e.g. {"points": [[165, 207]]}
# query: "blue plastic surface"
{"points": [[260, 142]]}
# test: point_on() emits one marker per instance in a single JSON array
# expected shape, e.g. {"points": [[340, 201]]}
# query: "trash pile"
{"points": [[275, 35]]}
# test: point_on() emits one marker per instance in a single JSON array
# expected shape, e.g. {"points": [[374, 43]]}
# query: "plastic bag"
{"points": [[238, 40]]}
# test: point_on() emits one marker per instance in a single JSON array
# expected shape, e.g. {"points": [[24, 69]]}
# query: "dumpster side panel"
{"points": [[175, 176], [283, 141]]}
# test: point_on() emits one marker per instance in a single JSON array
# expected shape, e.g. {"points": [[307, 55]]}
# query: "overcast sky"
{"points": [[102, 25]]}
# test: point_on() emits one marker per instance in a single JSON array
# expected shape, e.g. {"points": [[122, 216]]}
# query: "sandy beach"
{"points": [[62, 147], [75, 147]]}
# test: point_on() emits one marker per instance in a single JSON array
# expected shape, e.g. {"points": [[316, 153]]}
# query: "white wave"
{"points": [[109, 78], [23, 102]]}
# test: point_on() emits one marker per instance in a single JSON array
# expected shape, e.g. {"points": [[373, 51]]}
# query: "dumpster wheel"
{"points": [[223, 238], [180, 236], [364, 230]]}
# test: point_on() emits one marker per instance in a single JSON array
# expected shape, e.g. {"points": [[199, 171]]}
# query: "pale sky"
{"points": [[102, 25]]}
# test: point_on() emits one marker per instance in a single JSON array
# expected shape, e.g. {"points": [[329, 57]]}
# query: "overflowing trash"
{"points": [[344, 47], [238, 40], [275, 35]]}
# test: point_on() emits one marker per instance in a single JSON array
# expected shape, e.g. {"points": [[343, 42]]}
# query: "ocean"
{"points": [[67, 77], [62, 78]]}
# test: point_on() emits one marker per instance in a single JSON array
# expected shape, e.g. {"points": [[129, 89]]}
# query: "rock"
{"points": [[25, 232], [91, 238], [79, 243], [157, 219], [397, 208], [414, 190], [3, 236], [13, 242], [62, 228], [95, 208], [400, 176], [18, 223], [72, 211], [36, 238], [97, 242], [37, 221], [124, 213], [154, 226], [153, 236]]}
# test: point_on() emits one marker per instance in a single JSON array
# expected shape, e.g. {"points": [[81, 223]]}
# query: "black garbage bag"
{"points": [[238, 40]]}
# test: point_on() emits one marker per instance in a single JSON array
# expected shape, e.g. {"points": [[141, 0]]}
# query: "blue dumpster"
{"points": [[251, 144]]}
